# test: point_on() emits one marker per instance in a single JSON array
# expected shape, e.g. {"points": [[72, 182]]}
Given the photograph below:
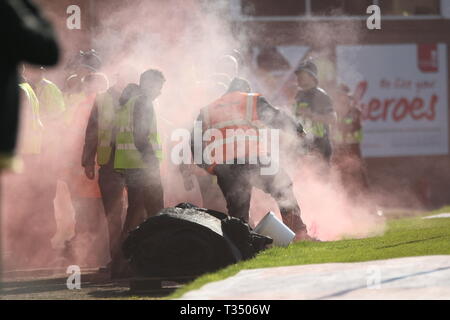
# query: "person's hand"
{"points": [[300, 131], [90, 172]]}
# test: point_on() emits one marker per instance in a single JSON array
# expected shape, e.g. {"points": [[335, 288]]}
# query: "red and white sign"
{"points": [[402, 91]]}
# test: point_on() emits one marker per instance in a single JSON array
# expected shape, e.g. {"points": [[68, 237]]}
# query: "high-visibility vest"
{"points": [[106, 108], [353, 137], [127, 156], [31, 142], [72, 101], [316, 128], [234, 111], [51, 99]]}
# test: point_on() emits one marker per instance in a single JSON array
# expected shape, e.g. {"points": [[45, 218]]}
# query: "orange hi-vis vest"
{"points": [[235, 116]]}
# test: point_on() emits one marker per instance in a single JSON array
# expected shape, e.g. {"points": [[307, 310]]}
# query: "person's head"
{"points": [[227, 64], [151, 83], [130, 91], [91, 60], [239, 84], [73, 84], [22, 74], [95, 83], [344, 99], [121, 75], [220, 78], [84, 63], [32, 74], [238, 56], [307, 75]]}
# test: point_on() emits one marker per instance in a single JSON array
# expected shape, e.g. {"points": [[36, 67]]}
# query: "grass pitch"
{"points": [[403, 238]]}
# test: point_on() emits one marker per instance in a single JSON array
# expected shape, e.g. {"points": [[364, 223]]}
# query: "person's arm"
{"points": [[27, 35], [142, 119], [91, 139]]}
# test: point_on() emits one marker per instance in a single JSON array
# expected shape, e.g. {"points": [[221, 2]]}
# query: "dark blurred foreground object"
{"points": [[26, 37], [188, 241]]}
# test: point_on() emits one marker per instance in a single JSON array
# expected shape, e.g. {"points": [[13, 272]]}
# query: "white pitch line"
{"points": [[442, 215]]}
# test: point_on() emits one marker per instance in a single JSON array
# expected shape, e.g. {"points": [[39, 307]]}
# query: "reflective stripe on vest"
{"points": [[316, 128], [34, 103], [51, 99], [127, 155], [235, 116], [31, 143], [350, 137], [106, 119]]}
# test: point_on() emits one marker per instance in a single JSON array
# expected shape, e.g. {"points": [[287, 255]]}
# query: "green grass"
{"points": [[402, 238]]}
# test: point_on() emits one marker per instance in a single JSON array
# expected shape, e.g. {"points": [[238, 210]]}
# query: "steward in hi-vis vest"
{"points": [[347, 137], [348, 130], [126, 155], [233, 112], [347, 133], [313, 108], [122, 136], [51, 99], [239, 115]]}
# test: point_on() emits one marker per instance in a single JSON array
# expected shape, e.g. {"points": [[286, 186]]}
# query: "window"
{"points": [[409, 7], [340, 7], [324, 9], [263, 8]]}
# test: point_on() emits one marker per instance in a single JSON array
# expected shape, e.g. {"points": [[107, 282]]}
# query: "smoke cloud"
{"points": [[185, 39]]}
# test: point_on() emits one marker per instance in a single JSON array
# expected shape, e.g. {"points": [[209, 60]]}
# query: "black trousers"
{"points": [[145, 199], [323, 147], [237, 180], [212, 196]]}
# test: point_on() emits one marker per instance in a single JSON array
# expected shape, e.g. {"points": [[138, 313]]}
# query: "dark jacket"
{"points": [[26, 37], [317, 100], [143, 115]]}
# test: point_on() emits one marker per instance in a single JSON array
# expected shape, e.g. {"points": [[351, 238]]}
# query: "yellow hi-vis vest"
{"points": [[72, 101], [317, 129], [127, 156], [354, 137], [31, 143], [51, 99]]}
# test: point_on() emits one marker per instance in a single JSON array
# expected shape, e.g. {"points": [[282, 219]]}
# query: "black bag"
{"points": [[188, 241]]}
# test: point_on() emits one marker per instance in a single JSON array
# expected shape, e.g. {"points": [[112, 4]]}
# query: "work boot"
{"points": [[295, 223], [303, 235]]}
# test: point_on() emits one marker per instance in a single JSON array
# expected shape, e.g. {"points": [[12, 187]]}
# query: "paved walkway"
{"points": [[425, 277], [52, 284], [441, 215]]}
